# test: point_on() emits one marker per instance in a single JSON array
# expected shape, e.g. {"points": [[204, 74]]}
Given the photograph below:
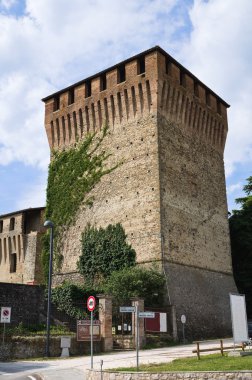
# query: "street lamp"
{"points": [[49, 224]]}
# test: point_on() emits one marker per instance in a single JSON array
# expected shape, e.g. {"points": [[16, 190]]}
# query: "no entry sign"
{"points": [[91, 303], [5, 314]]}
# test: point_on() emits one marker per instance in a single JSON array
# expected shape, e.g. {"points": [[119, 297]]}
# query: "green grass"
{"points": [[214, 362]]}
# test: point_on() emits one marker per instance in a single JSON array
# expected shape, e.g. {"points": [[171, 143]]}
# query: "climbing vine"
{"points": [[73, 173], [104, 251]]}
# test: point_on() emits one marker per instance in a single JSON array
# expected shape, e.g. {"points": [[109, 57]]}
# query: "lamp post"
{"points": [[49, 224]]}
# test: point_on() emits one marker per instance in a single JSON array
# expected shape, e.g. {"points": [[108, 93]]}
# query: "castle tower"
{"points": [[170, 131]]}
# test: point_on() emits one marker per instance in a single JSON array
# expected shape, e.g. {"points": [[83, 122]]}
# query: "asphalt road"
{"points": [[74, 368]]}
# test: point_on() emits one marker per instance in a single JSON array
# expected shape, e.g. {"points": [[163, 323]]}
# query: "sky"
{"points": [[46, 45]]}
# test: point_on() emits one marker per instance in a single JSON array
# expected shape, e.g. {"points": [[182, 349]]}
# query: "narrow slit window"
{"points": [[168, 66], [13, 262], [182, 78], [88, 89], [1, 226], [121, 75], [219, 107], [71, 96], [12, 224], [56, 103], [141, 65], [103, 82], [196, 89], [208, 102]]}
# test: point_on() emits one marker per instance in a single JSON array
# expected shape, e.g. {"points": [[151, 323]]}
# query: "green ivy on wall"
{"points": [[104, 251], [73, 173]]}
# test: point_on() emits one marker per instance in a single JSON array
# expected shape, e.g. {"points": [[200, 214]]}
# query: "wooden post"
{"points": [[198, 350], [221, 345]]}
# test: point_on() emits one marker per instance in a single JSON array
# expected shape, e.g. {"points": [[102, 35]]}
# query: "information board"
{"points": [[84, 330], [239, 318]]}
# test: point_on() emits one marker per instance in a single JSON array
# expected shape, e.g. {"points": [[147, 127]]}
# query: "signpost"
{"points": [[91, 306], [146, 314], [183, 321], [138, 314], [5, 318], [127, 309]]}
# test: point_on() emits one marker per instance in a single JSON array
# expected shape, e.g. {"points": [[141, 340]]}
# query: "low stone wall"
{"points": [[241, 375], [34, 347]]}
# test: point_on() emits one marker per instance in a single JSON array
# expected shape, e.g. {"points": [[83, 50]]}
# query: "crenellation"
{"points": [[169, 129]]}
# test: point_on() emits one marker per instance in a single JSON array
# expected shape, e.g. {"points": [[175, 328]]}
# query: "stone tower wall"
{"points": [[170, 131], [20, 236], [194, 225], [130, 194]]}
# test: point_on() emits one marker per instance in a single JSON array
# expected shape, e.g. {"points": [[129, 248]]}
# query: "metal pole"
{"points": [[101, 362], [137, 338], [49, 294], [183, 330], [91, 343], [3, 333]]}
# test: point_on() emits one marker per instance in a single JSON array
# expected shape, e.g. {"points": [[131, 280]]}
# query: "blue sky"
{"points": [[46, 45]]}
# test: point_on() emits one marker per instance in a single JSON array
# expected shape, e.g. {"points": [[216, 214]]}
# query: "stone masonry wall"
{"points": [[26, 302], [216, 375], [130, 194], [20, 236], [169, 194]]}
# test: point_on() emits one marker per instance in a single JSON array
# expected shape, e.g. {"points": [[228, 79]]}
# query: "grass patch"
{"points": [[214, 362]]}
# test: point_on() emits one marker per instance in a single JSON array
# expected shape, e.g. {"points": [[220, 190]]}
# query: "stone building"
{"points": [[170, 131], [20, 246]]}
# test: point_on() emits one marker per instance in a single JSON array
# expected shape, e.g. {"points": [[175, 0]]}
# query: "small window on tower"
{"points": [[12, 224], [13, 262], [196, 89], [1, 226], [56, 104], [141, 65], [121, 76], [71, 96], [103, 82], [88, 89]]}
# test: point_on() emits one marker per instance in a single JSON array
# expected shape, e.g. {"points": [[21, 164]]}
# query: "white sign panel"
{"points": [[146, 314], [5, 314], [239, 318], [127, 309], [183, 318], [163, 322]]}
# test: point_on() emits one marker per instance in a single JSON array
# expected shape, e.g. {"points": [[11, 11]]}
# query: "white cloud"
{"points": [[234, 187], [219, 52], [55, 43], [33, 194], [7, 4]]}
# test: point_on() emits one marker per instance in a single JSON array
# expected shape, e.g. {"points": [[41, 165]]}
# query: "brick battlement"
{"points": [[151, 82]]}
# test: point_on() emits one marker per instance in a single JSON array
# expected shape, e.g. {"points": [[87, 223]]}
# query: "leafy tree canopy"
{"points": [[241, 244], [136, 282], [104, 250]]}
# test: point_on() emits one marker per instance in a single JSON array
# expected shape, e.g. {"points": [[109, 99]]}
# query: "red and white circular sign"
{"points": [[91, 303]]}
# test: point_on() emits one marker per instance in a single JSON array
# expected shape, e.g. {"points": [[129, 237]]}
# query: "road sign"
{"points": [[146, 314], [5, 314], [91, 303], [183, 319], [127, 309]]}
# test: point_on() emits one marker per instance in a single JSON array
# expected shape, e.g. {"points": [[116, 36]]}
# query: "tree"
{"points": [[241, 244], [104, 250], [136, 282]]}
